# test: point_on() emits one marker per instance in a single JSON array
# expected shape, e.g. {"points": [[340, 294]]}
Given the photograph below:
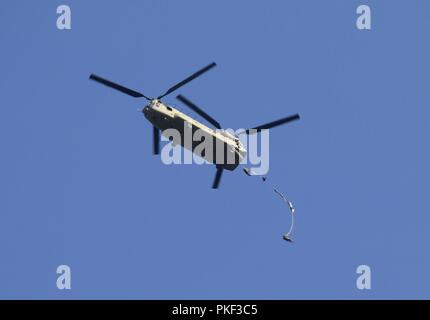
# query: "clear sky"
{"points": [[79, 185]]}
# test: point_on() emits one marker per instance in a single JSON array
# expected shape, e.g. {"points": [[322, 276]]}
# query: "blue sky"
{"points": [[79, 185]]}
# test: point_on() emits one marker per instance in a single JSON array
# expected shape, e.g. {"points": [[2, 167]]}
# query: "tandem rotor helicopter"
{"points": [[162, 116]]}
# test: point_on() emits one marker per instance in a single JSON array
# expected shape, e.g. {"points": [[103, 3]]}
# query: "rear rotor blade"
{"points": [[199, 111], [190, 78], [118, 87], [217, 179], [274, 124], [155, 140]]}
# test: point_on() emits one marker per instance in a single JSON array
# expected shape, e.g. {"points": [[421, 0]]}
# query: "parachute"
{"points": [[292, 210], [286, 236]]}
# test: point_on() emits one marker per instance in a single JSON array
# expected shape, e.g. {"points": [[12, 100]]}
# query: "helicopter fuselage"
{"points": [[219, 147], [227, 150]]}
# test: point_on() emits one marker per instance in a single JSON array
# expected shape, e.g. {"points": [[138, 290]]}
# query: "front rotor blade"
{"points": [[199, 111], [274, 124], [155, 140], [118, 87], [218, 175], [190, 78]]}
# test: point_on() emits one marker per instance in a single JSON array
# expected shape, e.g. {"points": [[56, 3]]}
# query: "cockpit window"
{"points": [[168, 108]]}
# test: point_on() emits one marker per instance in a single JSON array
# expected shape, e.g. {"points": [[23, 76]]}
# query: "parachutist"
{"points": [[247, 171], [287, 238]]}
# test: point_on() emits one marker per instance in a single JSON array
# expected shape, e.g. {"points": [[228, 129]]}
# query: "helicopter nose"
{"points": [[148, 112]]}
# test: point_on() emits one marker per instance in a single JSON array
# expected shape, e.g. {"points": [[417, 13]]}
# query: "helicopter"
{"points": [[163, 117]]}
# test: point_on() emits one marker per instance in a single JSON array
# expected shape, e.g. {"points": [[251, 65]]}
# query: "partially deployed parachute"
{"points": [[287, 236]]}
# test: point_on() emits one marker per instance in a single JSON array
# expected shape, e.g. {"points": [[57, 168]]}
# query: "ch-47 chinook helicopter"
{"points": [[162, 116]]}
